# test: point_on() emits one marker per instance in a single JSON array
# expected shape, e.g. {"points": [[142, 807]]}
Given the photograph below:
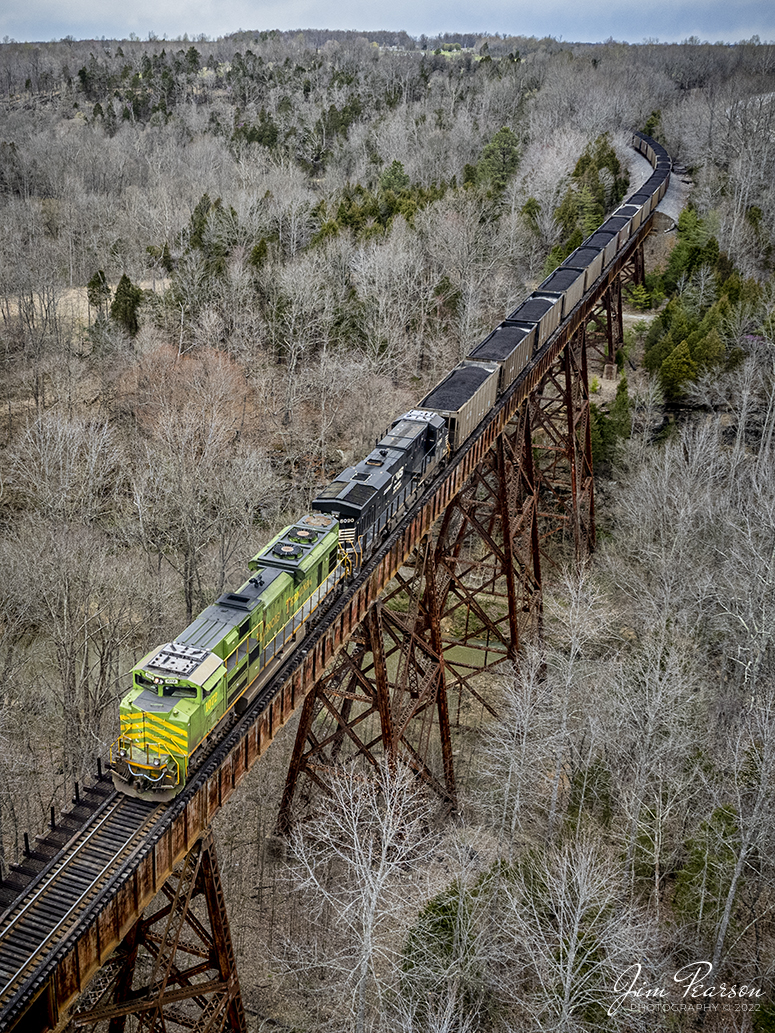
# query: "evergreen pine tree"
{"points": [[125, 305], [590, 211], [394, 178], [709, 351], [499, 159], [619, 424], [677, 369], [98, 292]]}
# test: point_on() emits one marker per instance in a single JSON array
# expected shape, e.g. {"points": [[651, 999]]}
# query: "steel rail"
{"points": [[57, 872], [59, 880]]}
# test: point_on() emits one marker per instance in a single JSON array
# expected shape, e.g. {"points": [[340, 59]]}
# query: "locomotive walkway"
{"points": [[69, 941]]}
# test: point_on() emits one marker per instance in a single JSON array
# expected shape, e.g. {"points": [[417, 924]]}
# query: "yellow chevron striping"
{"points": [[156, 742], [161, 721], [135, 728], [153, 719], [139, 718], [166, 729]]}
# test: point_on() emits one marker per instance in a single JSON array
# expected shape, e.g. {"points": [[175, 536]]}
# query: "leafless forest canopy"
{"points": [[224, 267]]}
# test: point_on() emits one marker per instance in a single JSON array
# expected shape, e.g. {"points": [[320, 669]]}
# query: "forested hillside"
{"points": [[225, 266]]}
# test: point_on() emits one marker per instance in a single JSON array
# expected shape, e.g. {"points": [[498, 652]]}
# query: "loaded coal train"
{"points": [[182, 691]]}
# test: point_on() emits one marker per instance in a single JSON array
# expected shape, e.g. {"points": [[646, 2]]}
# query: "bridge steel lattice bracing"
{"points": [[465, 597], [449, 595]]}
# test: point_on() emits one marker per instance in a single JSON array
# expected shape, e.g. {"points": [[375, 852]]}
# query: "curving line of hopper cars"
{"points": [[183, 690]]}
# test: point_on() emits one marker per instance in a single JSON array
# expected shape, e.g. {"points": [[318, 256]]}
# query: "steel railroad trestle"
{"points": [[446, 599], [191, 979]]}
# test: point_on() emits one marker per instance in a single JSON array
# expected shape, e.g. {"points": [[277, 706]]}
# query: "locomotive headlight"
{"points": [[122, 753], [157, 762]]}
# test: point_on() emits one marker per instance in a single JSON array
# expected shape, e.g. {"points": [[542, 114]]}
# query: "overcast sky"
{"points": [[593, 20]]}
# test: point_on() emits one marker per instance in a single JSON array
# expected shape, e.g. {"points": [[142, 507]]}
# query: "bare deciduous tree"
{"points": [[566, 935], [354, 859]]}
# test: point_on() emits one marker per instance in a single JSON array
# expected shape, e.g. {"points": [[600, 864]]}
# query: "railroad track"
{"points": [[55, 894], [33, 927]]}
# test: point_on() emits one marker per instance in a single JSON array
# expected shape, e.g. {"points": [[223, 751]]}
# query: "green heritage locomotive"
{"points": [[182, 690]]}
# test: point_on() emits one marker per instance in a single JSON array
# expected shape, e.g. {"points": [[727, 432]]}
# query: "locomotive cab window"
{"points": [[180, 691]]}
